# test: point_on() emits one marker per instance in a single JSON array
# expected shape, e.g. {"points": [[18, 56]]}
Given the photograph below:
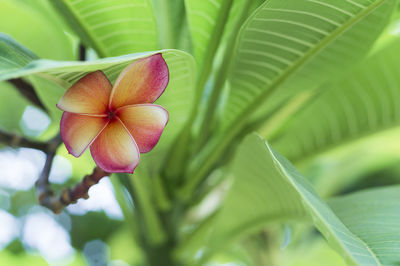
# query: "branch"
{"points": [[14, 140], [57, 203], [82, 52], [42, 184], [26, 90], [45, 194]]}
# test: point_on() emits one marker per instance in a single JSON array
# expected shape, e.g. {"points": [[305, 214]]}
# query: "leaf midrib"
{"points": [[252, 106], [209, 156], [304, 158]]}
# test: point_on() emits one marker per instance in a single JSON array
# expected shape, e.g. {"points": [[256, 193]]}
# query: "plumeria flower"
{"points": [[118, 122]]}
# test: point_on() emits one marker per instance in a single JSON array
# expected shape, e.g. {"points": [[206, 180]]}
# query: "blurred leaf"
{"points": [[374, 216], [190, 246], [268, 188], [234, 255], [12, 106], [202, 16], [143, 196], [363, 103], [310, 253], [49, 93], [8, 258], [171, 21], [83, 229], [337, 170], [31, 28], [289, 46], [112, 27], [123, 247], [13, 55]]}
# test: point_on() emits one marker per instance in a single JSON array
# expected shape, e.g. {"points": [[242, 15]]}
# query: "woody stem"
{"points": [[57, 203]]}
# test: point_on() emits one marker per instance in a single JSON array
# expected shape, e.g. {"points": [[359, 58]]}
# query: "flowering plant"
{"points": [[280, 113], [120, 122]]}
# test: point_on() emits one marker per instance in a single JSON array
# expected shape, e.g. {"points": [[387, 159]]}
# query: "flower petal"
{"points": [[141, 82], [145, 122], [114, 150], [78, 131], [89, 95]]}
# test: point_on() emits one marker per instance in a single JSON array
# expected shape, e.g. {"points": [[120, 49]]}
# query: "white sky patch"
{"points": [[34, 121], [118, 263], [42, 233], [20, 168], [9, 228], [101, 198], [61, 170]]}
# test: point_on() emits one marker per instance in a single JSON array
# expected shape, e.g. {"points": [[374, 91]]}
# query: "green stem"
{"points": [[161, 196], [212, 47], [153, 227], [209, 118], [207, 160], [127, 209], [181, 153]]}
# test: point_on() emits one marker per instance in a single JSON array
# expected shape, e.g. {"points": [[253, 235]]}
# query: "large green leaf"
{"points": [[364, 102], [267, 188], [112, 27], [336, 170], [12, 106], [34, 29], [13, 55], [52, 78], [294, 45], [374, 216]]}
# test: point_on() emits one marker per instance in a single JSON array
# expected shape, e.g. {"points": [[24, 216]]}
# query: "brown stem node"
{"points": [[71, 195]]}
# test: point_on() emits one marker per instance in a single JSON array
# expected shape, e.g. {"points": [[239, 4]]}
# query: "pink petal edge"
{"points": [[143, 81], [75, 131], [109, 156], [145, 125]]}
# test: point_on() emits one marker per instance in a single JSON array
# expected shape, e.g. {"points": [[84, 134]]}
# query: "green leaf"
{"points": [[202, 16], [267, 188], [171, 20], [289, 46], [112, 27], [32, 28], [13, 55], [375, 154], [12, 107], [285, 48], [310, 253], [374, 216], [363, 103]]}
